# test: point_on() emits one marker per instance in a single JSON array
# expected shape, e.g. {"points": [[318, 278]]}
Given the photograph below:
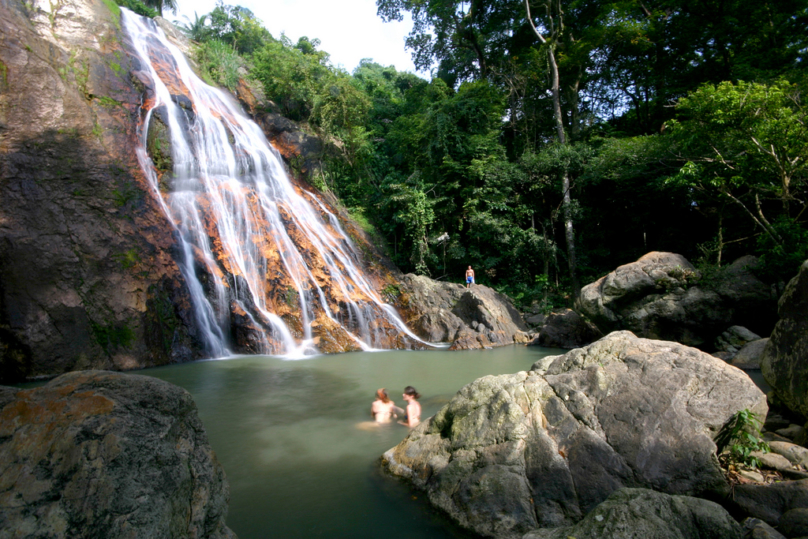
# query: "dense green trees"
{"points": [[556, 136]]}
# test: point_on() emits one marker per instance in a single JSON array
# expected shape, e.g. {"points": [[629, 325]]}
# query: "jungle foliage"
{"points": [[675, 125]]}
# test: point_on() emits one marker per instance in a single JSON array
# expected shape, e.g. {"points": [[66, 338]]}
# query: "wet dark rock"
{"points": [[750, 356], [794, 522], [468, 318], [792, 432], [566, 329], [101, 454], [735, 338], [775, 421], [754, 528], [769, 502], [303, 152], [517, 452], [631, 513], [662, 296], [535, 320], [85, 249], [785, 358]]}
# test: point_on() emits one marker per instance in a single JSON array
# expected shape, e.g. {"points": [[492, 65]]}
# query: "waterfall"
{"points": [[269, 267]]}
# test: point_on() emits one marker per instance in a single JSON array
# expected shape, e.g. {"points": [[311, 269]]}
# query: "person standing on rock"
{"points": [[469, 277], [413, 407]]}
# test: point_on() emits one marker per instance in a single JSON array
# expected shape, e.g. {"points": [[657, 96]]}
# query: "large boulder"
{"points": [[662, 296], [541, 449], [476, 317], [644, 514], [566, 329], [100, 454], [785, 358]]}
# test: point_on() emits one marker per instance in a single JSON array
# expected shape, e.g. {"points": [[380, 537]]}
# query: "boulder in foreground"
{"points": [[101, 454], [541, 449]]}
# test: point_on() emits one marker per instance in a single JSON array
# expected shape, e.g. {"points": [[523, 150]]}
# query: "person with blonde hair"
{"points": [[383, 409]]}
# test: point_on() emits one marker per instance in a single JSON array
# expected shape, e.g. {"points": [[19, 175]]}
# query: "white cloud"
{"points": [[348, 30]]}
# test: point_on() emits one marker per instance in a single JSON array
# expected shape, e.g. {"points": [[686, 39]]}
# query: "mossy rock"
{"points": [[158, 144]]}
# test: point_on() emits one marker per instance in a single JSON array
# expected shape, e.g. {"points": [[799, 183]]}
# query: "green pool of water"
{"points": [[288, 435]]}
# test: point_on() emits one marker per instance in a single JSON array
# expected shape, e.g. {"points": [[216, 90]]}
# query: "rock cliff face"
{"points": [[101, 454], [87, 277], [541, 449], [89, 260], [468, 318], [662, 296], [785, 357]]}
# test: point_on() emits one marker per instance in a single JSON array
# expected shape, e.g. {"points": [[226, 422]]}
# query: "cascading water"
{"points": [[264, 260]]}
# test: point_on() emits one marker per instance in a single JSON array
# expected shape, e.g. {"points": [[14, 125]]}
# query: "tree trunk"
{"points": [[569, 231]]}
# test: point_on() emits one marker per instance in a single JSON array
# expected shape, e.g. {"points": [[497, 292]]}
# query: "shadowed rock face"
{"points": [[785, 357], [566, 329], [87, 277], [642, 514], [101, 454], [662, 296], [516, 452], [468, 318]]}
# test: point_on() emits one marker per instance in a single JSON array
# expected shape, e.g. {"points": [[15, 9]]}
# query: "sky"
{"points": [[349, 30]]}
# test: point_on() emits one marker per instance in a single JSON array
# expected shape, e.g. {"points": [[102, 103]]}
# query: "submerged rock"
{"points": [[643, 514], [662, 296], [785, 358], [476, 317], [517, 452], [101, 454]]}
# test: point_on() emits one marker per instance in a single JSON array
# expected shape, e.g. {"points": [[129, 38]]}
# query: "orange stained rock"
{"points": [[28, 408]]}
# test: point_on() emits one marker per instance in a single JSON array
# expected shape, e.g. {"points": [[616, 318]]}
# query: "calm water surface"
{"points": [[286, 433]]}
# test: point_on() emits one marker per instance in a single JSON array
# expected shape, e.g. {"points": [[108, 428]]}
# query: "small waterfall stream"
{"points": [[269, 267]]}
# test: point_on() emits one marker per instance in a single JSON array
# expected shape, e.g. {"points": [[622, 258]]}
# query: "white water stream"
{"points": [[245, 230]]}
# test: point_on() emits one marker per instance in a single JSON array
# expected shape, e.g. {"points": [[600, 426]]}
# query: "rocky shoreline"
{"points": [[619, 438]]}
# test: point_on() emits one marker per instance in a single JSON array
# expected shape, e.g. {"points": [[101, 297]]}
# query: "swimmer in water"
{"points": [[413, 407], [383, 409]]}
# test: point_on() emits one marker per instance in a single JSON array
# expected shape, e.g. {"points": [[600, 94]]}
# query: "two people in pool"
{"points": [[384, 410]]}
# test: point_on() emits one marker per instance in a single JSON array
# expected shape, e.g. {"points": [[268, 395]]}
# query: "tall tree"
{"points": [[554, 28]]}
